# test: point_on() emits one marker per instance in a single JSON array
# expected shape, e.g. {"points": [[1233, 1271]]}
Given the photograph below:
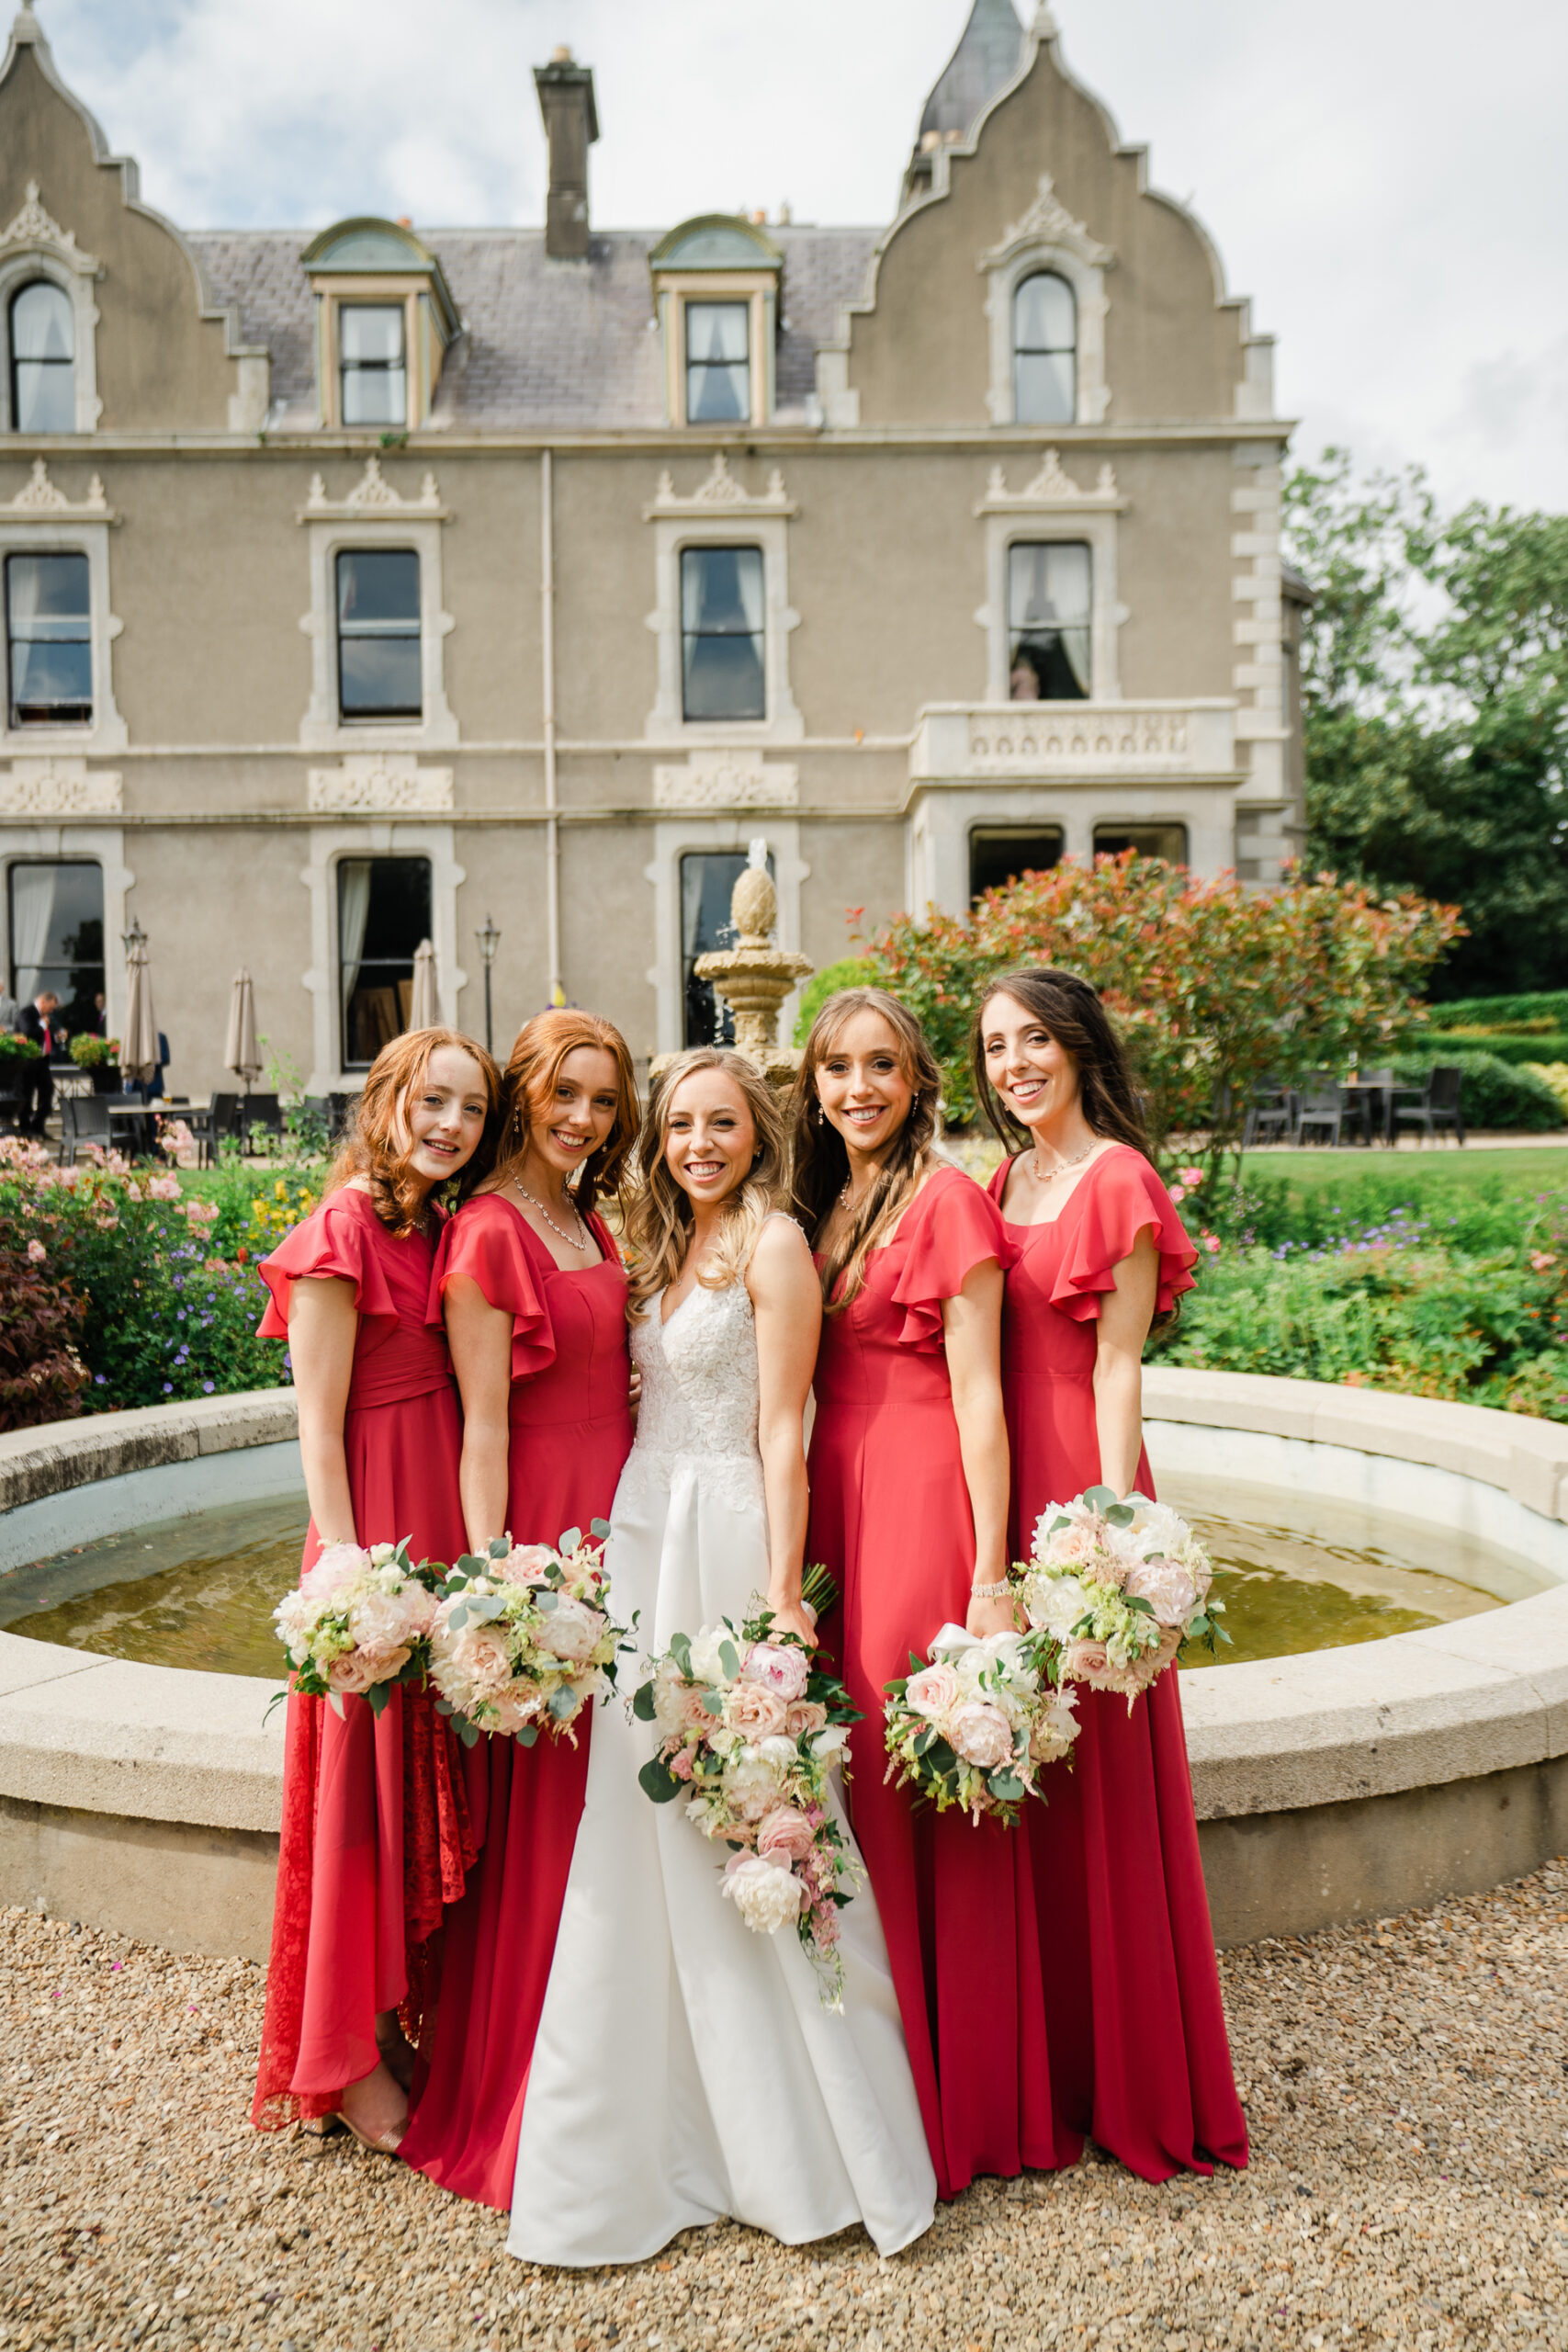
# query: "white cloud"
{"points": [[1386, 183]]}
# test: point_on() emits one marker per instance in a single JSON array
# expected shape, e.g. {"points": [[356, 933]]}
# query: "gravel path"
{"points": [[1405, 2082]]}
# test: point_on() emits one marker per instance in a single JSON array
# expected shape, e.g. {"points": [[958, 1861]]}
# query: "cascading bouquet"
{"points": [[522, 1639], [973, 1726], [751, 1730], [1119, 1586], [359, 1622]]}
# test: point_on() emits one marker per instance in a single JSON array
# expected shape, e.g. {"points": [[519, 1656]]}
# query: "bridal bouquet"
{"points": [[358, 1621], [750, 1729], [1119, 1586], [522, 1639], [973, 1726]]}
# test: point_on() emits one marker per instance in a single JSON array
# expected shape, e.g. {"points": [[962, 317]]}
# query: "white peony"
{"points": [[1056, 1605], [570, 1631], [752, 1781], [766, 1894], [336, 1565], [827, 1743], [706, 1664]]}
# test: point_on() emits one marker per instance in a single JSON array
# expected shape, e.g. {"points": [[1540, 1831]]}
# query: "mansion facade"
{"points": [[393, 584]]}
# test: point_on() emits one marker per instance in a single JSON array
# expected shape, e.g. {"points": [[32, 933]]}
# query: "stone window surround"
{"points": [[1048, 238], [383, 520], [372, 838], [677, 837], [35, 246], [61, 527], [381, 292], [47, 844], [725, 516], [1067, 515], [942, 818]]}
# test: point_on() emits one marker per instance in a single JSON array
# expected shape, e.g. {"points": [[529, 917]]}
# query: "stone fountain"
{"points": [[756, 974]]}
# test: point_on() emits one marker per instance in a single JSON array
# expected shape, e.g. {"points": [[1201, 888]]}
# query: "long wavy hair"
{"points": [[659, 1222], [821, 1159], [532, 1070], [376, 1145], [1071, 1010]]}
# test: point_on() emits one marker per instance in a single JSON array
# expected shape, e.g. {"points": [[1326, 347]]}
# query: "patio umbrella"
{"points": [[422, 1004], [139, 1047], [239, 1053]]}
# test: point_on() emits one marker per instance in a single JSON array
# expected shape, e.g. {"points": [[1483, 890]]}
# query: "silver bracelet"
{"points": [[990, 1591]]}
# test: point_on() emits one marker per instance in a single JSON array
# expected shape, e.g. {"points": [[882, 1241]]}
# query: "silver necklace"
{"points": [[583, 1239], [1044, 1176]]}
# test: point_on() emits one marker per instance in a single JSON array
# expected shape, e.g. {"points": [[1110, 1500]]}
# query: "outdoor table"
{"points": [[140, 1137], [1368, 1102]]}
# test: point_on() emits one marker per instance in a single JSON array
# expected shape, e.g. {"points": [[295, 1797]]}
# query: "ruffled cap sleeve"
{"points": [[1117, 1201], [485, 1240], [953, 1228], [337, 1241]]}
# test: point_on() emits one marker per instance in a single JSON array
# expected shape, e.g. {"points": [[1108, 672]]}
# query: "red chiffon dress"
{"points": [[1140, 2062], [570, 1433], [376, 1833], [890, 1517]]}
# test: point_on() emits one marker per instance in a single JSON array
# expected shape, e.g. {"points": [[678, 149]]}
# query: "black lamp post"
{"points": [[490, 940]]}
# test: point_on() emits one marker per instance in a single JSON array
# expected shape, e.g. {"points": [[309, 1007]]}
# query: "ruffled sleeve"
{"points": [[485, 1240], [1117, 1201], [953, 1228], [341, 1241]]}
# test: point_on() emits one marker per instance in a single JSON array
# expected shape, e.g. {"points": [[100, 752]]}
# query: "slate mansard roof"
{"points": [[545, 343]]}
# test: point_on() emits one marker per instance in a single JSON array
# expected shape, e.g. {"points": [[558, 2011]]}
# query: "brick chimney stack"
{"points": [[571, 125]]}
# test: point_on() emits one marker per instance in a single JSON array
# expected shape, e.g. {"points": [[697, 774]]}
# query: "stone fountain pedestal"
{"points": [[755, 976]]}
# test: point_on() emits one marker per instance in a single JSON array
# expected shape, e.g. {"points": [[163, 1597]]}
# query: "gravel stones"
{"points": [[1404, 2080]]}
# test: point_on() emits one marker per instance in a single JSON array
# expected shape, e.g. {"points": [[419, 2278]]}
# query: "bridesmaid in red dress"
{"points": [[1140, 2061], [908, 1469], [530, 1283], [376, 1834]]}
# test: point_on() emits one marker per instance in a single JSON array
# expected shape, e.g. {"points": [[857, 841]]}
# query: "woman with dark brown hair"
{"points": [[908, 1508], [376, 1831], [1140, 2061], [531, 1287]]}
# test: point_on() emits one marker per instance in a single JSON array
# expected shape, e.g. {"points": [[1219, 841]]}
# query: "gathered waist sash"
{"points": [[411, 1364]]}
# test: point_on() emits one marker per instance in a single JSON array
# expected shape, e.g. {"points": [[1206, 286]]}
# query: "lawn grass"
{"points": [[1413, 1177]]}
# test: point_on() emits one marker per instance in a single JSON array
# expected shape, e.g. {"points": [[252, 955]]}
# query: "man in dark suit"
{"points": [[36, 1022]]}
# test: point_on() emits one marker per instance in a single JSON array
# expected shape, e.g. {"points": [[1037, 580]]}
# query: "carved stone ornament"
{"points": [[1052, 486], [1048, 221], [58, 788], [726, 780], [720, 488], [34, 230], [380, 787], [373, 494], [39, 496]]}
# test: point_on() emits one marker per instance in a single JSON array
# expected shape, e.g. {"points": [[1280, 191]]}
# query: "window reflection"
{"points": [[1044, 339], [718, 373], [378, 664], [57, 936], [49, 640], [371, 363], [1048, 621], [722, 633], [43, 361]]}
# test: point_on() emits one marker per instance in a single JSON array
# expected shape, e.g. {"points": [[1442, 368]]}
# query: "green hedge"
{"points": [[849, 972], [1493, 1094], [1500, 1011], [1437, 1047]]}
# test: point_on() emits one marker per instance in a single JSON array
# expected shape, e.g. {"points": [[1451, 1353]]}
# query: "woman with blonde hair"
{"points": [[685, 2068], [533, 1294], [909, 1510], [376, 1831]]}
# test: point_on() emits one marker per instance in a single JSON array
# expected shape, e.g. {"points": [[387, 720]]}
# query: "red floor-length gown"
{"points": [[1139, 2056], [570, 1433], [890, 1517], [376, 1832]]}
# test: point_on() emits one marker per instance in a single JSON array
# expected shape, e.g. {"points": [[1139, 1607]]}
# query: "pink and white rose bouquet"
{"points": [[1118, 1586], [750, 1728], [973, 1726], [359, 1622], [522, 1639]]}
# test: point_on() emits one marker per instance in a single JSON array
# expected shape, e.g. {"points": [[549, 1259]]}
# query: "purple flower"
{"points": [[207, 1386], [168, 1387]]}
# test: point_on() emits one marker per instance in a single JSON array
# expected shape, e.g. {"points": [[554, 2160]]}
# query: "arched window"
{"points": [[43, 359], [1045, 350]]}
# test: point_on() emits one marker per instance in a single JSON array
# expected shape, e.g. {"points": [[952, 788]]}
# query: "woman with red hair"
{"points": [[530, 1285], [376, 1834]]}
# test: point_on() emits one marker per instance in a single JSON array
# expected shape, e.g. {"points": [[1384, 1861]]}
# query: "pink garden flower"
{"points": [[781, 1667], [981, 1734], [934, 1692], [786, 1832], [756, 1711]]}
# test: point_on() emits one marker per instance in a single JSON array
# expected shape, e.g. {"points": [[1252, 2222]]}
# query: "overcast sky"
{"points": [[1387, 179]]}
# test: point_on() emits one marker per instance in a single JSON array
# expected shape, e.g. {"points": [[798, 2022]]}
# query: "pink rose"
{"points": [[785, 1832], [571, 1630], [485, 1660], [681, 1763], [352, 1673], [755, 1711], [804, 1717], [1167, 1587], [1083, 1661], [692, 1714], [336, 1565], [981, 1734], [779, 1666], [934, 1692], [524, 1564]]}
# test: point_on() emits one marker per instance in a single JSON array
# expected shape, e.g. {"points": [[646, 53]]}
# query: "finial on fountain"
{"points": [[754, 976]]}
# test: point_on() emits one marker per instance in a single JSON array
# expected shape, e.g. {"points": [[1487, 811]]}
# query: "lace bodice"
{"points": [[700, 1386]]}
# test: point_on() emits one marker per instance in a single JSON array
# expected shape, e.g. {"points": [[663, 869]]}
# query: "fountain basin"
{"points": [[1332, 1785]]}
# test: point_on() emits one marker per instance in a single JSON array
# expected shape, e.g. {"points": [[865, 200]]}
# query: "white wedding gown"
{"points": [[684, 2067]]}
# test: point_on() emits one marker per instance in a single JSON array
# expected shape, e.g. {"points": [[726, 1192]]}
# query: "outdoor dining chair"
{"points": [[1268, 1115], [83, 1119], [1322, 1110], [1436, 1105]]}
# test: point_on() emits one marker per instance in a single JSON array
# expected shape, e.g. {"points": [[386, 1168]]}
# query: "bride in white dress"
{"points": [[685, 2068]]}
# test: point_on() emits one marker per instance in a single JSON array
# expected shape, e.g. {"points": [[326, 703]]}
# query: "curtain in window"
{"points": [[1049, 615], [717, 331], [353, 906], [42, 347], [32, 921]]}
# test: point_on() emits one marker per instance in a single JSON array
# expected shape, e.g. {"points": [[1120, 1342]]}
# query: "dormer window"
{"points": [[384, 319], [715, 282], [1045, 350], [43, 359]]}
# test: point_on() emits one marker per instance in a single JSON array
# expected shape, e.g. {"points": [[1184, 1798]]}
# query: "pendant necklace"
{"points": [[582, 1240], [1043, 1176]]}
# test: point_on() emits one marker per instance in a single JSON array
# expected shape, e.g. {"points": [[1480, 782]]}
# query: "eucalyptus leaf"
{"points": [[642, 1703], [601, 1528], [658, 1782], [571, 1540], [713, 1703], [681, 1651], [563, 1703], [545, 1602], [729, 1658]]}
